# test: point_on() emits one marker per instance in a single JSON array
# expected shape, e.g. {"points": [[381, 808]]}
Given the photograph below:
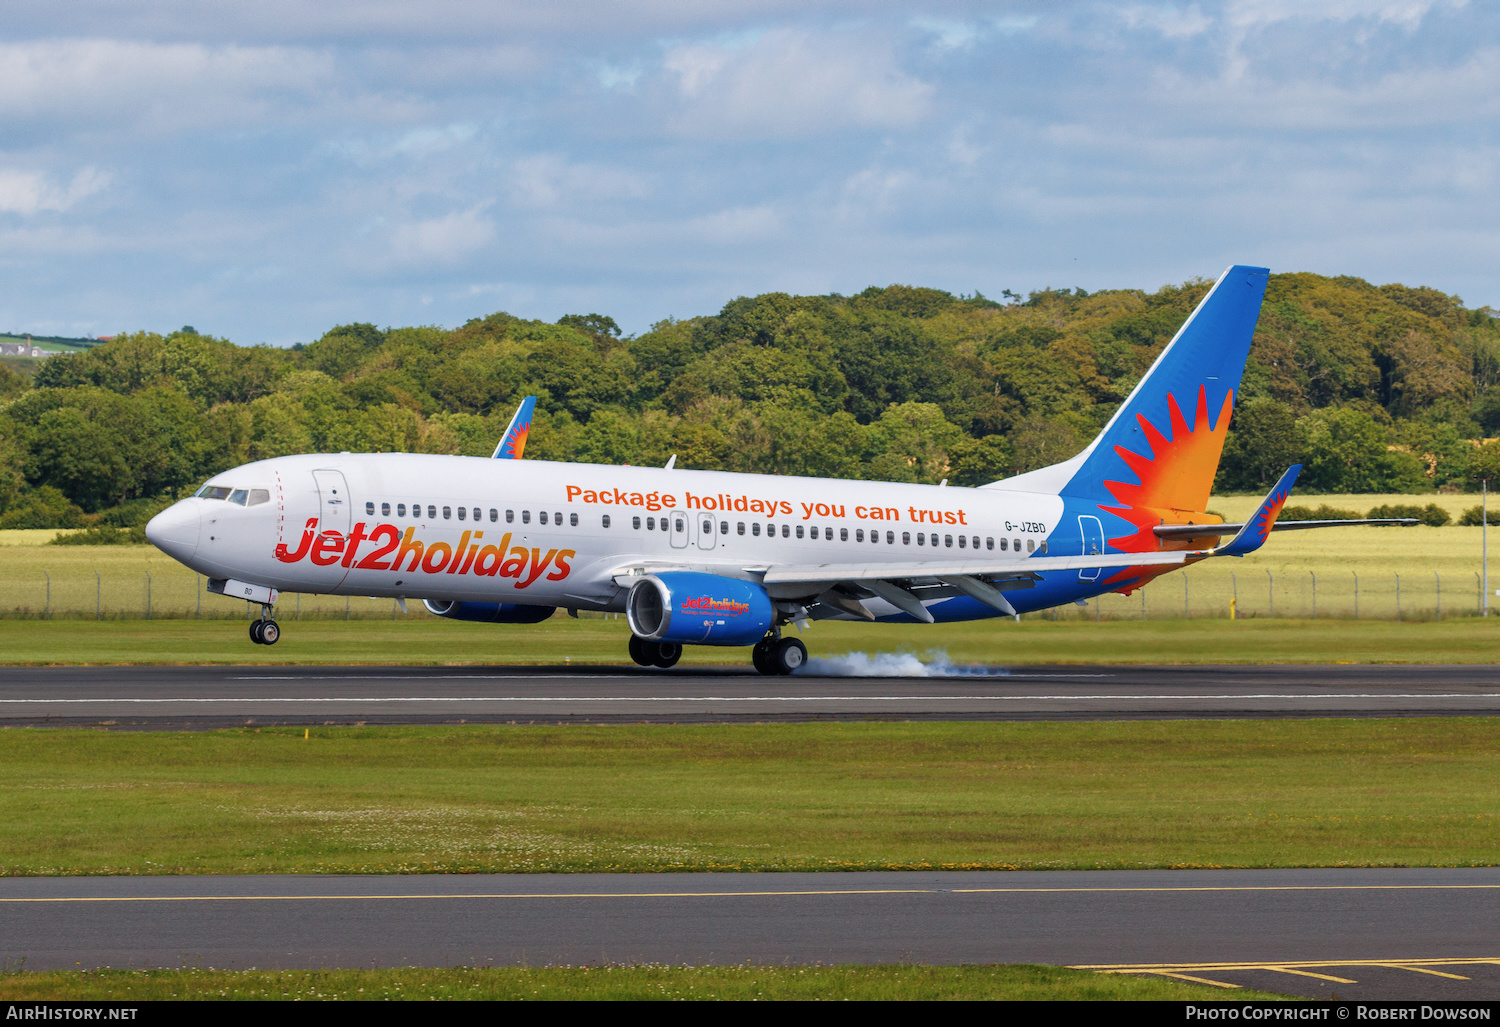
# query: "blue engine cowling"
{"points": [[699, 609], [493, 613]]}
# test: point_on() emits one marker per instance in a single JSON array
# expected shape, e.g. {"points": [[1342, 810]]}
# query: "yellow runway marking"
{"points": [[1424, 970], [1197, 980], [1309, 973]]}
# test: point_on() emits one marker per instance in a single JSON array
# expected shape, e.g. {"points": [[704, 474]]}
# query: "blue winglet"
{"points": [[513, 442], [1258, 528]]}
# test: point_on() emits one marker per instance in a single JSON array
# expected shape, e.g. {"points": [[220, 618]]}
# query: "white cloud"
{"points": [[1170, 22], [791, 84], [547, 181], [444, 240], [737, 225], [160, 85], [1408, 13], [29, 192]]}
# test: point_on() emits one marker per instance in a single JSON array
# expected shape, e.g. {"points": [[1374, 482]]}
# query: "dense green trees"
{"points": [[1371, 388]]}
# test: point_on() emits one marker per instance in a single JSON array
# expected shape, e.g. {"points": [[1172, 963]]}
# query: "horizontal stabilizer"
{"points": [[1258, 528]]}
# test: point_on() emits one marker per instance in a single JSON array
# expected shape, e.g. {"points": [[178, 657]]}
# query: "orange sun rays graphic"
{"points": [[1175, 481]]}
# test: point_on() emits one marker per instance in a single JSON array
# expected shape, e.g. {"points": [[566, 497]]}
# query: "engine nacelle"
{"points": [[698, 609], [493, 613]]}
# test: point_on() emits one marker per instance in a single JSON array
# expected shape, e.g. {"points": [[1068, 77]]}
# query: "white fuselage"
{"points": [[555, 534]]}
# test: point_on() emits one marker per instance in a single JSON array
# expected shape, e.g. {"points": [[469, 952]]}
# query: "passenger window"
{"points": [[890, 537], [651, 523], [606, 520], [708, 526], [1043, 547], [786, 531], [947, 541], [741, 527], [814, 531], [961, 542], [431, 513], [724, 528], [843, 534], [1004, 545], [989, 543], [906, 538], [494, 515], [237, 497], [770, 530], [258, 496], [525, 516], [385, 509], [1030, 545], [447, 513], [680, 525], [463, 513], [635, 522], [510, 516], [541, 518], [976, 541], [557, 518], [921, 539], [755, 528], [369, 509], [400, 509], [859, 534], [572, 520]]}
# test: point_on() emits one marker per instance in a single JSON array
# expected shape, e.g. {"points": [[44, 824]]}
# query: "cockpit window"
{"points": [[237, 497], [214, 492], [258, 496]]}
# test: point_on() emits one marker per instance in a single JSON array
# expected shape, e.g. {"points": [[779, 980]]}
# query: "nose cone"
{"points": [[175, 530]]}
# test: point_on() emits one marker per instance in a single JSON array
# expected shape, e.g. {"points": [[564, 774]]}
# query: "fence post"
{"points": [[1315, 594], [346, 607], [1439, 579], [148, 595], [1187, 613], [1143, 604], [1270, 595], [97, 589], [1234, 593], [299, 606], [198, 614], [1356, 594], [1398, 597], [47, 615]]}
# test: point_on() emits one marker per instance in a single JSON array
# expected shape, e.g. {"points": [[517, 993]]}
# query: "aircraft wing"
{"points": [[784, 574]]}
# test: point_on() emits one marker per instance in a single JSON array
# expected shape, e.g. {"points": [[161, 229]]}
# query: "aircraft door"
{"points": [[705, 525], [334, 514], [682, 526], [1093, 544]]}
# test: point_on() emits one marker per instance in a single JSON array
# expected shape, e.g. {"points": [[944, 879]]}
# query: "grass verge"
{"points": [[563, 640], [776, 797], [833, 983]]}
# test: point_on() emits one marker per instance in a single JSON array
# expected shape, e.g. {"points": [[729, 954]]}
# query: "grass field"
{"points": [[661, 983], [1131, 795], [562, 640]]}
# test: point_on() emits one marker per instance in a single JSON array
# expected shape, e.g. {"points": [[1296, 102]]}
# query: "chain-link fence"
{"points": [[1208, 592], [1200, 592]]}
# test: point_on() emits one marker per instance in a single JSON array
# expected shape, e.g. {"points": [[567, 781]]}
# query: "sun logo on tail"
{"points": [[1175, 477]]}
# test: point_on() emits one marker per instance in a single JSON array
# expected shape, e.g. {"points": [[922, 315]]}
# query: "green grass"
{"points": [[430, 641], [676, 983], [1417, 792]]}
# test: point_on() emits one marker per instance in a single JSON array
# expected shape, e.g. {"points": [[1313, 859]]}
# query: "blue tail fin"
{"points": [[513, 442], [1160, 451]]}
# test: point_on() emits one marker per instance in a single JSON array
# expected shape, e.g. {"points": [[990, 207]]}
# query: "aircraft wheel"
{"points": [[667, 654], [788, 656], [270, 631], [255, 627], [760, 656], [642, 651]]}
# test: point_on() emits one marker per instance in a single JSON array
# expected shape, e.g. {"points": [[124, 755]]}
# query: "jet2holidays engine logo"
{"points": [[470, 556]]}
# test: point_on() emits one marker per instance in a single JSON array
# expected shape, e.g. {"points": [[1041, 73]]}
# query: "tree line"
{"points": [[1373, 389]]}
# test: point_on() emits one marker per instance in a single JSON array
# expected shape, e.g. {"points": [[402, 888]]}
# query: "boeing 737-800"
{"points": [[727, 559]]}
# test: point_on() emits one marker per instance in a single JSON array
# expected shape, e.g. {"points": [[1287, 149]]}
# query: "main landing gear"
{"points": [[265, 631], [654, 654], [773, 655]]}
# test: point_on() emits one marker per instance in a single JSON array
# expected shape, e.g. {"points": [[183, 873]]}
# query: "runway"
{"points": [[208, 697], [1417, 933]]}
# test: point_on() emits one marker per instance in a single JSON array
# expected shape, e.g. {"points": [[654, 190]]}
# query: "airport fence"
{"points": [[1196, 593]]}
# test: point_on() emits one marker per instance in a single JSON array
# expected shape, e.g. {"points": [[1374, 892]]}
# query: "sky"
{"points": [[265, 171]]}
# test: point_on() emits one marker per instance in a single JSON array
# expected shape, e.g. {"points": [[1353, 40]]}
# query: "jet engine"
{"points": [[699, 609], [493, 613]]}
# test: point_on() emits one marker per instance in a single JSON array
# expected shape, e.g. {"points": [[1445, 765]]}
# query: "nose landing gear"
{"points": [[265, 631]]}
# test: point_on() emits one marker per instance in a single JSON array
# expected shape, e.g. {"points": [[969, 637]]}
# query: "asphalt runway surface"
{"points": [[211, 697], [1415, 933]]}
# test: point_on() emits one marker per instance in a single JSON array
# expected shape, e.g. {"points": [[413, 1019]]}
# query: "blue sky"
{"points": [[265, 171]]}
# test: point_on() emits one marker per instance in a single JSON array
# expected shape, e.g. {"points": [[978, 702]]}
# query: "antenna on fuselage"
{"points": [[671, 462]]}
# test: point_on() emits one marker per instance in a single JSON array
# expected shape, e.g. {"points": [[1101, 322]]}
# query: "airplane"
{"points": [[728, 559]]}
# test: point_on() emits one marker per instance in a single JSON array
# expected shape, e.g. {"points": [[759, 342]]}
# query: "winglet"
{"points": [[513, 442], [1253, 535]]}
